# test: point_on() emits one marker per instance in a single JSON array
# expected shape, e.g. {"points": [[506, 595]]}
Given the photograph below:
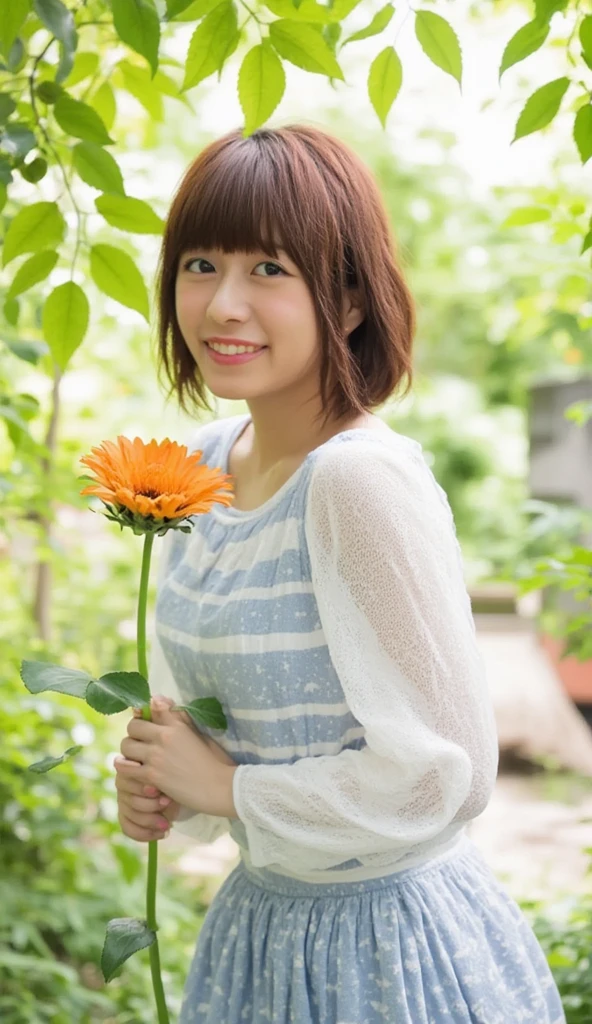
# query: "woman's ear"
{"points": [[352, 311]]}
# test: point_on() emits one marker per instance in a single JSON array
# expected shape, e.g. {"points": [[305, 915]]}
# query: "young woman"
{"points": [[327, 610]]}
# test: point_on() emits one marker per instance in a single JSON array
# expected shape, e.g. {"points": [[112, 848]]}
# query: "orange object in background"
{"points": [[575, 675]]}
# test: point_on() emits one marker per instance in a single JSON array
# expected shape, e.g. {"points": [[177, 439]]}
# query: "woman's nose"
{"points": [[228, 301]]}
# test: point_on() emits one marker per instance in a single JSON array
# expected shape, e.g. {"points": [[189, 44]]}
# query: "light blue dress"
{"points": [[315, 927]]}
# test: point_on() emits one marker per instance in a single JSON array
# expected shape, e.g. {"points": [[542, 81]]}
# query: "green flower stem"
{"points": [[153, 950], [142, 602]]}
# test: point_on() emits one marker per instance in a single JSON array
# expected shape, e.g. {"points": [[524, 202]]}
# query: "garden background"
{"points": [[103, 103]]}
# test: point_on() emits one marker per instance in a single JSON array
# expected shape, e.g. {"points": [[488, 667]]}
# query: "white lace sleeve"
{"points": [[388, 581], [203, 827]]}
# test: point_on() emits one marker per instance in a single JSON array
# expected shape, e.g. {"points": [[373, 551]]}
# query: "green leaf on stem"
{"points": [[86, 63], [78, 119], [384, 81], [583, 132], [540, 108], [65, 318], [7, 107], [17, 140], [205, 711], [378, 23], [129, 214], [117, 691], [48, 763], [97, 167], [116, 274], [439, 42], [39, 676], [524, 42], [136, 23], [35, 227], [261, 84], [11, 311], [60, 22], [32, 271], [12, 19], [214, 40], [29, 351], [125, 936], [303, 46], [34, 171]]}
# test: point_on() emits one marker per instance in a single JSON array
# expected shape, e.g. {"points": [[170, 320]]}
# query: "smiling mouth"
{"points": [[242, 349]]}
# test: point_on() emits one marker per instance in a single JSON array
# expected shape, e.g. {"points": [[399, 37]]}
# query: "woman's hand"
{"points": [[144, 812], [168, 754]]}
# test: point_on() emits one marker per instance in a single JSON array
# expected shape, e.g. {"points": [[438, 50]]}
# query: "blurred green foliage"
{"points": [[65, 866]]}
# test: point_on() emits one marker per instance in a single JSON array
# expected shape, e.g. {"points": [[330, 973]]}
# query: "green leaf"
{"points": [[5, 173], [52, 762], [190, 10], [526, 215], [138, 82], [116, 274], [586, 37], [212, 42], [129, 214], [3, 195], [545, 9], [583, 132], [65, 321], [587, 243], [17, 57], [39, 676], [303, 46], [205, 711], [17, 140], [35, 227], [12, 17], [125, 936], [60, 22], [378, 23], [103, 101], [384, 81], [11, 311], [261, 85], [49, 92], [97, 167], [136, 23], [117, 691], [33, 270], [7, 107], [526, 40], [29, 351], [540, 108], [86, 63], [58, 19], [439, 42], [80, 120], [34, 171], [312, 12]]}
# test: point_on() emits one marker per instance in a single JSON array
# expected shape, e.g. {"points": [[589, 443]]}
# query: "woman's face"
{"points": [[251, 298]]}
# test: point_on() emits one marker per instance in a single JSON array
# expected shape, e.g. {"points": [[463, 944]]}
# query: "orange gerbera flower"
{"points": [[154, 487]]}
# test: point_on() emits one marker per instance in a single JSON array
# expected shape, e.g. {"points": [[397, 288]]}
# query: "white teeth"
{"points": [[231, 350]]}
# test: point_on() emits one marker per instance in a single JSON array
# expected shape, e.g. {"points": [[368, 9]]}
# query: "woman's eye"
{"points": [[275, 266], [265, 263]]}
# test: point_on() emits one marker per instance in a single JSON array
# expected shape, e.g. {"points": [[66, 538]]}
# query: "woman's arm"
{"points": [[388, 581]]}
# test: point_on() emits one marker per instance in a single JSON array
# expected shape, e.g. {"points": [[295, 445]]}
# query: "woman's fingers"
{"points": [[125, 783], [137, 832]]}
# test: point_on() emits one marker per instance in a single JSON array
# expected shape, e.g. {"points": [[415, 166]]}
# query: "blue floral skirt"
{"points": [[440, 943]]}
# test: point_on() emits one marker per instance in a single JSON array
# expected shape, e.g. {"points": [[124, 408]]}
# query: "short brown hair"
{"points": [[307, 187]]}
